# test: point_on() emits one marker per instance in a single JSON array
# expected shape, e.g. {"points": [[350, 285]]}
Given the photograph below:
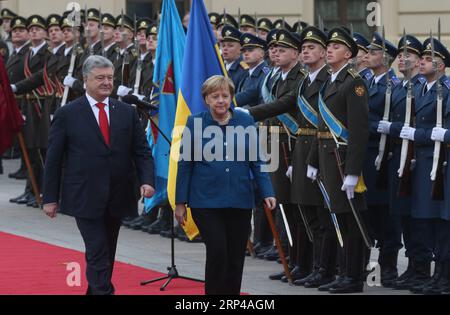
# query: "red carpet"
{"points": [[32, 267]]}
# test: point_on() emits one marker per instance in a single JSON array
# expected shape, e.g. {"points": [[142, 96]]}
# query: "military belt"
{"points": [[324, 135], [277, 129], [306, 132]]}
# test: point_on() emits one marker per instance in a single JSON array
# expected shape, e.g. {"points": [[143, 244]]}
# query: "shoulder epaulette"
{"points": [[303, 72], [422, 80], [117, 49], [80, 50], [447, 83], [353, 73], [368, 76], [395, 80], [133, 52], [244, 65], [266, 70]]}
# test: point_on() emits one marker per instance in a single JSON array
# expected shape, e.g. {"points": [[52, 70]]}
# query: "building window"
{"points": [[151, 8], [344, 12]]}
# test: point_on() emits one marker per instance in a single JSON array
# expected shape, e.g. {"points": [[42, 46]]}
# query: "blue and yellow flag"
{"points": [[202, 60], [167, 84]]}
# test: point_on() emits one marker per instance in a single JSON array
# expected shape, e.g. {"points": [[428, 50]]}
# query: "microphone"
{"points": [[133, 99]]}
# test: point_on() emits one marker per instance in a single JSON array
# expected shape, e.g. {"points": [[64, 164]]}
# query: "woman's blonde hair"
{"points": [[215, 83]]}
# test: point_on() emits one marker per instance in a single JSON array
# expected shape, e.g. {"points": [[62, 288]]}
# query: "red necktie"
{"points": [[103, 122]]}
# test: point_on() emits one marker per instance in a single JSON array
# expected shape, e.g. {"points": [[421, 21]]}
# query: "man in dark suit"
{"points": [[103, 147]]}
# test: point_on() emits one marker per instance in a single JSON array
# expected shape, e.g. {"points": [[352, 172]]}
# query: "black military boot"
{"points": [[296, 274], [348, 285], [279, 275], [333, 284], [165, 222], [1, 166], [421, 274], [389, 272], [408, 273], [16, 199], [272, 254], [446, 287], [420, 286], [321, 278], [441, 283]]}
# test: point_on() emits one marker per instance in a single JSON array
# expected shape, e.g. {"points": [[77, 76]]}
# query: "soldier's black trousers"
{"points": [[263, 233], [430, 240], [37, 160], [328, 239], [385, 228], [225, 234], [301, 253], [354, 251]]}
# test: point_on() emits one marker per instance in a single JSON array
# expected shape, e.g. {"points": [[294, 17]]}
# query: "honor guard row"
{"points": [[362, 153]]}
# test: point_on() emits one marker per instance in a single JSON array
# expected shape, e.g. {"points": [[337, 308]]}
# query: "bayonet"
{"points": [[102, 33], [382, 148], [74, 19]]}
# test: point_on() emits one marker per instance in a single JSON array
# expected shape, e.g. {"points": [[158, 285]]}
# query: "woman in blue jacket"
{"points": [[214, 179]]}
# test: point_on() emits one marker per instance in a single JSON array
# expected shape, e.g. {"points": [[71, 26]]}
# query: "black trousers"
{"points": [[225, 234], [100, 239], [327, 243], [353, 259], [430, 240], [385, 228]]}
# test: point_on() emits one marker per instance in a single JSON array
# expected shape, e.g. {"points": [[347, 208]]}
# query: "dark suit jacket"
{"points": [[97, 177]]}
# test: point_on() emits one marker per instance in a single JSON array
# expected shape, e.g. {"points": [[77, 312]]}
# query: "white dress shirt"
{"points": [[335, 75], [95, 109]]}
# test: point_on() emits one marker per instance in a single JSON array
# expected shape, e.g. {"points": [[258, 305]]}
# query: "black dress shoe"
{"points": [[271, 255], [296, 274], [279, 275], [335, 283], [24, 200], [31, 201], [348, 285], [306, 278], [321, 278], [261, 251], [14, 200], [20, 174], [128, 220]]}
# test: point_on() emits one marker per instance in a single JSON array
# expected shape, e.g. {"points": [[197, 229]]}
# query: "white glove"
{"points": [[13, 88], [122, 91], [407, 133], [311, 172], [69, 81], [289, 173], [139, 96], [240, 109], [349, 185], [438, 134], [384, 127]]}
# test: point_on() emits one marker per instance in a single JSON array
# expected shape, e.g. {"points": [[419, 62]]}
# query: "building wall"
{"points": [[417, 16]]}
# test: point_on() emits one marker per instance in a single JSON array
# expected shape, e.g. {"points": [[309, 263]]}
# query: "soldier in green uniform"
{"points": [[14, 69], [94, 47], [342, 138], [126, 53], [34, 99]]}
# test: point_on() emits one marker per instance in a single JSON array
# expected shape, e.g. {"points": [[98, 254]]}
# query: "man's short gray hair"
{"points": [[94, 62]]}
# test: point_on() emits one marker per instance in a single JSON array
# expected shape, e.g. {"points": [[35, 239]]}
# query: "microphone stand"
{"points": [[172, 269]]}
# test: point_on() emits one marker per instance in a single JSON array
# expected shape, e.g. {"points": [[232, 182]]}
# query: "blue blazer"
{"points": [[220, 184], [96, 177]]}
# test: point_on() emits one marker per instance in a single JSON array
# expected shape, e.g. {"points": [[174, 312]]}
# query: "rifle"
{"points": [[137, 82], [102, 33], [381, 162], [126, 59], [74, 19], [437, 172], [407, 151], [88, 32]]}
